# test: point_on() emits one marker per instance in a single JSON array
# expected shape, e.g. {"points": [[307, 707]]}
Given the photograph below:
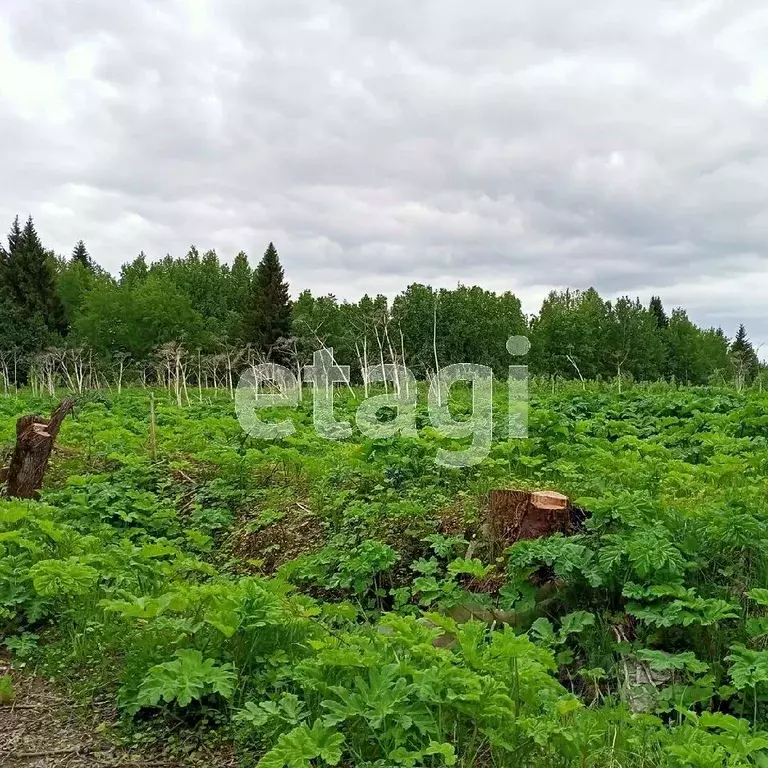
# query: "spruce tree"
{"points": [[268, 314], [14, 236], [657, 309], [742, 343], [239, 288], [80, 255], [743, 357], [29, 280], [238, 292]]}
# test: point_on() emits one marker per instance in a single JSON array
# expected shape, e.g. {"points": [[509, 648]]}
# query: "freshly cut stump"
{"points": [[35, 438], [517, 515]]}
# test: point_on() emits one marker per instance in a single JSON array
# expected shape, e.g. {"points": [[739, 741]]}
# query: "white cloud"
{"points": [[519, 145]]}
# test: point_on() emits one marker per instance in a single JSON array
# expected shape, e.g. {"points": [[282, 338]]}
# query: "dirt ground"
{"points": [[43, 729]]}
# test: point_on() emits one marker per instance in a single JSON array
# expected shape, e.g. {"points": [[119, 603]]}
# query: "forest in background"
{"points": [[202, 319]]}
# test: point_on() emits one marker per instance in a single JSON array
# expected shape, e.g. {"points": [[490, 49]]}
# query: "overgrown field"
{"points": [[309, 599]]}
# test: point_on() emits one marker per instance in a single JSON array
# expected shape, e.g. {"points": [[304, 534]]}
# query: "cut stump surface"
{"points": [[518, 515]]}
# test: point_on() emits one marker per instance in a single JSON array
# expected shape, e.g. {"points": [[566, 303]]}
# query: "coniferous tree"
{"points": [[203, 303], [14, 236], [657, 309], [240, 277], [268, 315], [28, 279], [31, 311], [661, 322], [80, 255], [238, 291], [742, 343], [743, 357]]}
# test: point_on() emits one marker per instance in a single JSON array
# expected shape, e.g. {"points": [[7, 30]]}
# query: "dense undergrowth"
{"points": [[181, 587]]}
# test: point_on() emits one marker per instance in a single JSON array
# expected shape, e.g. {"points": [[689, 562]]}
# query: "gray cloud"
{"points": [[520, 145]]}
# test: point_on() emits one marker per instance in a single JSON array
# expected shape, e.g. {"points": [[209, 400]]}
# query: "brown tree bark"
{"points": [[35, 437], [517, 515]]}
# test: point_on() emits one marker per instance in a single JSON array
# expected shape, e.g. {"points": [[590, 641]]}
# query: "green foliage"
{"points": [[7, 694], [344, 565], [743, 358], [671, 605], [215, 309], [268, 315], [288, 710], [301, 746], [31, 310], [661, 661], [748, 668], [80, 255], [62, 578], [136, 576], [114, 319], [185, 679]]}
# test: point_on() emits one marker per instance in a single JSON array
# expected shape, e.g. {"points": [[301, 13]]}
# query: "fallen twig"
{"points": [[22, 706], [82, 750]]}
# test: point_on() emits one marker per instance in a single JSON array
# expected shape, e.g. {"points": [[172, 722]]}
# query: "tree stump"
{"points": [[35, 437], [518, 515]]}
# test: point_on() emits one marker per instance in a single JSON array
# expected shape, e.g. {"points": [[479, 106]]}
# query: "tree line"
{"points": [[198, 319]]}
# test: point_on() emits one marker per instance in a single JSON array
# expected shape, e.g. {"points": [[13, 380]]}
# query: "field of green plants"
{"points": [[313, 601]]}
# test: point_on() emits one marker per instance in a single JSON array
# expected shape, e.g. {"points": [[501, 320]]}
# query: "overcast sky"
{"points": [[519, 145]]}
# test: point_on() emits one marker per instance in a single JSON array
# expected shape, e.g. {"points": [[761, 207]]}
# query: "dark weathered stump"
{"points": [[35, 437]]}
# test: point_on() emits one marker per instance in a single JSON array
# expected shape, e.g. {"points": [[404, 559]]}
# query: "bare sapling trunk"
{"points": [[381, 358], [393, 357], [363, 369], [200, 374], [297, 360], [152, 428], [573, 363], [6, 374], [402, 350], [434, 350], [35, 438], [344, 378], [619, 365]]}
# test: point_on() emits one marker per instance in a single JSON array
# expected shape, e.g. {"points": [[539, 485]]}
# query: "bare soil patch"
{"points": [[42, 728]]}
